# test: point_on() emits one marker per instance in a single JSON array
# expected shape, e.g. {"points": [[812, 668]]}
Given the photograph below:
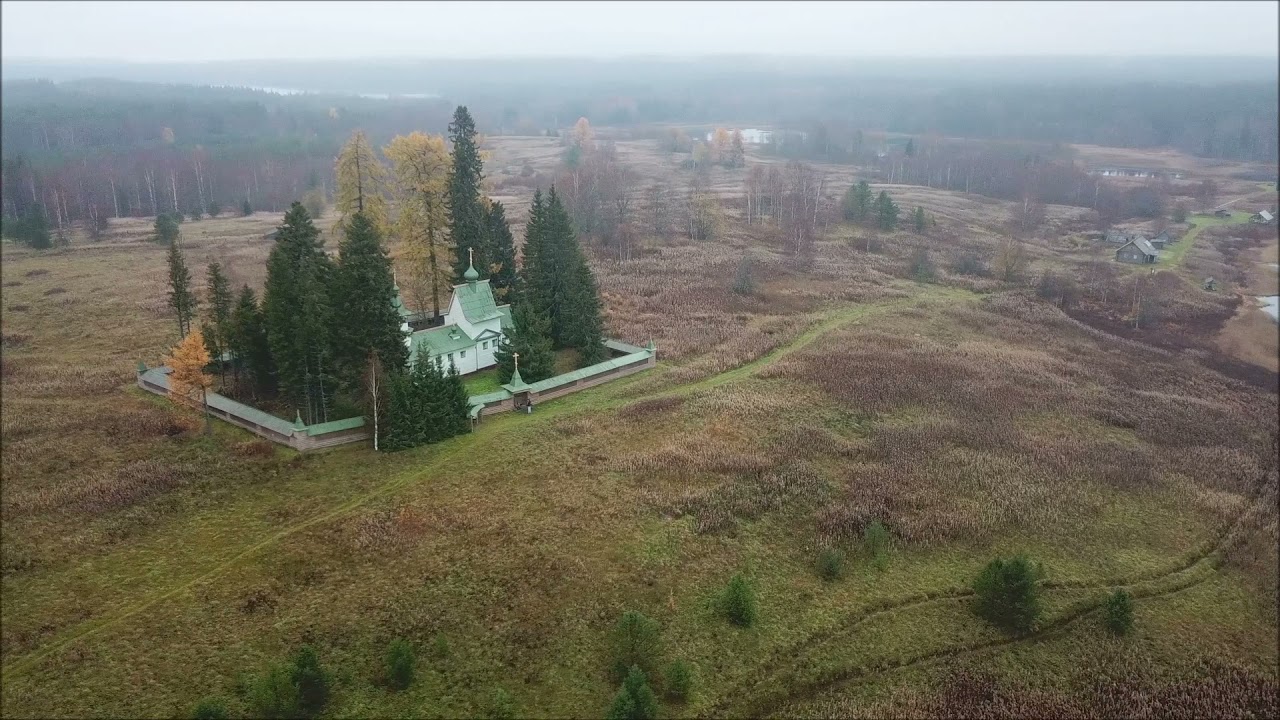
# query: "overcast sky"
{"points": [[198, 31]]}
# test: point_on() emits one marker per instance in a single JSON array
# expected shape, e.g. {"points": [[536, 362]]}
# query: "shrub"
{"points": [[400, 660], [312, 682], [739, 602], [441, 646], [635, 643], [744, 283], [315, 202], [210, 709], [245, 208], [969, 264], [921, 266], [635, 700], [275, 694], [679, 681], [1118, 613], [1058, 290], [831, 564], [1179, 213], [876, 540], [504, 706], [1007, 594]]}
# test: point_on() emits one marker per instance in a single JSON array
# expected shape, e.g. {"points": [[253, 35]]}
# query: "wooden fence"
{"points": [[303, 438]]}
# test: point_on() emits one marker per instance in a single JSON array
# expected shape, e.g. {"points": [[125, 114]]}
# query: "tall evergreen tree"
{"points": [[181, 298], [248, 343], [218, 323], [466, 213], [425, 405], [917, 219], [567, 288], [529, 336], [364, 293], [297, 312], [583, 328], [532, 272], [857, 202], [166, 227], [886, 212], [455, 403], [502, 252]]}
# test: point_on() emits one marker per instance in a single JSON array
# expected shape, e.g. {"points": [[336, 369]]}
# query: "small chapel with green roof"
{"points": [[472, 326]]}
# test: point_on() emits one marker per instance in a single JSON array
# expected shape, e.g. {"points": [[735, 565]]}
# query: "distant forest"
{"points": [[83, 148]]}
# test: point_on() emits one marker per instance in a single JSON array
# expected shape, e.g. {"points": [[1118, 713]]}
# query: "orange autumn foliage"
{"points": [[188, 360]]}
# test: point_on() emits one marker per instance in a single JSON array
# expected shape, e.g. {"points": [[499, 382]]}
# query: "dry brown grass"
{"points": [[1219, 691]]}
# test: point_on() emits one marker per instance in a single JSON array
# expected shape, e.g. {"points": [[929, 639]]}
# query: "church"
{"points": [[472, 327]]}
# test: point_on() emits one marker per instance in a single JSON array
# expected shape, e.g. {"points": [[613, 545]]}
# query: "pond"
{"points": [[1271, 306]]}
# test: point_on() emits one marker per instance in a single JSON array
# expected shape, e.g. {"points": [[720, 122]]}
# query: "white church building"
{"points": [[472, 326]]}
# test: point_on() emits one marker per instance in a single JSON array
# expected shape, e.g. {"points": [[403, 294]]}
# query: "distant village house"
{"points": [[1138, 250]]}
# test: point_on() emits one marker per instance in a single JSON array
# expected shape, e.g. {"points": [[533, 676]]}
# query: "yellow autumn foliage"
{"points": [[188, 360]]}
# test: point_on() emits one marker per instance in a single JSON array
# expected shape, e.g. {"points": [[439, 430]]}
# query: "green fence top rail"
{"points": [[160, 377], [589, 371], [335, 426]]}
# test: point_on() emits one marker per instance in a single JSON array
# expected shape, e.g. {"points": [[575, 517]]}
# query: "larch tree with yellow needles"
{"points": [[188, 381], [420, 165], [362, 184]]}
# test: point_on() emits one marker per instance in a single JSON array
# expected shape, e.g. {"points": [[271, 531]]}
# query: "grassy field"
{"points": [[1173, 255], [146, 567]]}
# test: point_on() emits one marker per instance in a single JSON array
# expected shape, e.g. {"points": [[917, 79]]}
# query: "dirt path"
{"points": [[746, 700], [451, 448]]}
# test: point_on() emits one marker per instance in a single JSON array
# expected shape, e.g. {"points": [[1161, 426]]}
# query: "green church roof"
{"points": [[440, 341], [477, 301]]}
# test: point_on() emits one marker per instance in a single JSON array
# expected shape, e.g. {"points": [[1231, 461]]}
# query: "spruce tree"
{"points": [[312, 680], [529, 336], [574, 301], [297, 315], [218, 323], [502, 253], [245, 208], [886, 212], [584, 328], [398, 426], [247, 340], [635, 699], [364, 292], [166, 228], [857, 202], [455, 403], [534, 270], [181, 298], [466, 213], [918, 219]]}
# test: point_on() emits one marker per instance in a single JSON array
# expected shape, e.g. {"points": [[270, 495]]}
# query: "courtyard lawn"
{"points": [[485, 381]]}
